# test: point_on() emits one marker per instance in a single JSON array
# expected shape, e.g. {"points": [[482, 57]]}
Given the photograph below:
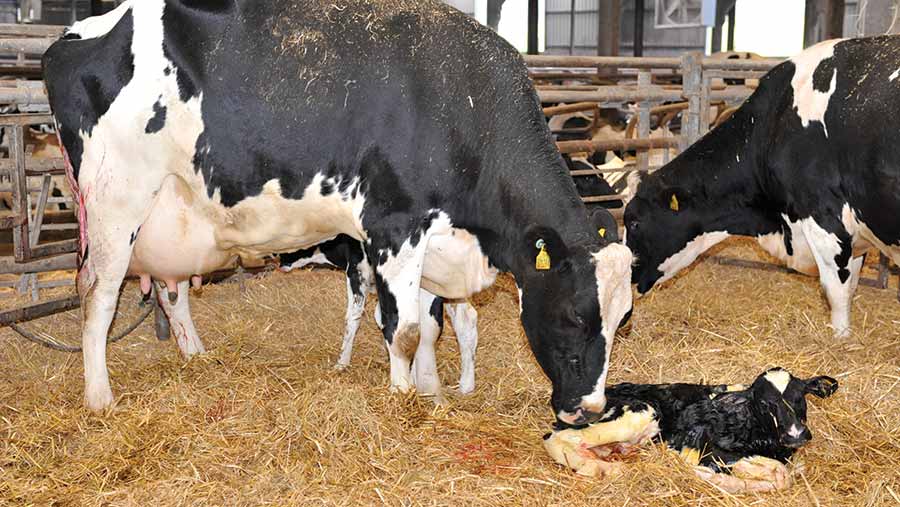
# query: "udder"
{"points": [[177, 241]]}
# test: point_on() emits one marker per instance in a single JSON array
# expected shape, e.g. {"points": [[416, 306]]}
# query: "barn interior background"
{"points": [[626, 85]]}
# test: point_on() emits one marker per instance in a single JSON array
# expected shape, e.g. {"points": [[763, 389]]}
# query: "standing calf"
{"points": [[347, 254]]}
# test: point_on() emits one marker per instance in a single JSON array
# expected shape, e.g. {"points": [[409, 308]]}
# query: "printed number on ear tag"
{"points": [[542, 261], [673, 203], [602, 232]]}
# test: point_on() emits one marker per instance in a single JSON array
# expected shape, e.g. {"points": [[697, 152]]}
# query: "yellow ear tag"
{"points": [[542, 261], [602, 232], [673, 203]]}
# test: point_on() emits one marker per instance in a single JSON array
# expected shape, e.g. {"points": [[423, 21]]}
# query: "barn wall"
{"points": [[467, 6], [668, 42]]}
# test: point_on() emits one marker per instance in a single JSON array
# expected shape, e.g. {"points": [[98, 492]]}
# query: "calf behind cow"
{"points": [[807, 166], [348, 255]]}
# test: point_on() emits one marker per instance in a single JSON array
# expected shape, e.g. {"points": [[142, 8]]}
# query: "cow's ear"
{"points": [[822, 387], [605, 224], [546, 247], [676, 199]]}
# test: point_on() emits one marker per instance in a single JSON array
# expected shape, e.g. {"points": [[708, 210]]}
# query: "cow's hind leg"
{"points": [[180, 320], [431, 324], [832, 247], [465, 323], [100, 276]]}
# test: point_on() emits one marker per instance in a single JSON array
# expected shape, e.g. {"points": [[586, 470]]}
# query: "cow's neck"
{"points": [[547, 199], [722, 172]]}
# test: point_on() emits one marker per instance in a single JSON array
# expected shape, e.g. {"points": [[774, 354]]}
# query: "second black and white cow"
{"points": [[200, 131], [347, 254], [808, 165]]}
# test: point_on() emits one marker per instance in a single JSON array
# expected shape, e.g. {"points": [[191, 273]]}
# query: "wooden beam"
{"points": [[39, 310], [533, 16], [58, 263], [824, 20], [609, 30], [639, 28]]}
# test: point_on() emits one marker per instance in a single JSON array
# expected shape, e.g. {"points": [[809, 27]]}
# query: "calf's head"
{"points": [[571, 311], [781, 399]]}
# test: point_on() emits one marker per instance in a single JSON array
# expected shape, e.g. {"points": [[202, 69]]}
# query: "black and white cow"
{"points": [[199, 131], [347, 254], [808, 165]]}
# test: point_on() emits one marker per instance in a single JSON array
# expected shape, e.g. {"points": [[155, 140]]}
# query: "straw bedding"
{"points": [[264, 420]]}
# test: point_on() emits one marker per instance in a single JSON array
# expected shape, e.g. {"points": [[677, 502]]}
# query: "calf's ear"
{"points": [[822, 387]]}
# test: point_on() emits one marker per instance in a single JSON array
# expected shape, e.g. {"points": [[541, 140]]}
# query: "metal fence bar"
{"points": [[618, 144]]}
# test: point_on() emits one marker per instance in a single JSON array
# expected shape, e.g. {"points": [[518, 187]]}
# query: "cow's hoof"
{"points": [[340, 367], [98, 400], [842, 334]]}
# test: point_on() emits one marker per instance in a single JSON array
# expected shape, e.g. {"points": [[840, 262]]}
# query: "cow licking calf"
{"points": [[737, 437], [347, 254], [807, 166], [405, 125]]}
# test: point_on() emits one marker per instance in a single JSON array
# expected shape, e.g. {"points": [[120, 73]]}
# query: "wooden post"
{"points": [[21, 241], [643, 156], [824, 20], [638, 27], [716, 45], [572, 28], [608, 32], [692, 70], [533, 27], [731, 28], [705, 83]]}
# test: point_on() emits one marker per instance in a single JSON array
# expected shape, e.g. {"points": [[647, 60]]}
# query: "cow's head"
{"points": [[667, 228], [571, 312], [780, 403]]}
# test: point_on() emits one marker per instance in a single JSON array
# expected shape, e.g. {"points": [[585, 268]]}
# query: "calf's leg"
{"points": [[431, 324], [464, 319]]}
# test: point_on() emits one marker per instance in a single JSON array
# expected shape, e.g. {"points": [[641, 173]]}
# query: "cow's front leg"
{"points": [[179, 314], [465, 323], [431, 324], [397, 279], [832, 247]]}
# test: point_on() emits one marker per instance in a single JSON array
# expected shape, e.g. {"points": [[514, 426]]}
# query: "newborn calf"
{"points": [[738, 438]]}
